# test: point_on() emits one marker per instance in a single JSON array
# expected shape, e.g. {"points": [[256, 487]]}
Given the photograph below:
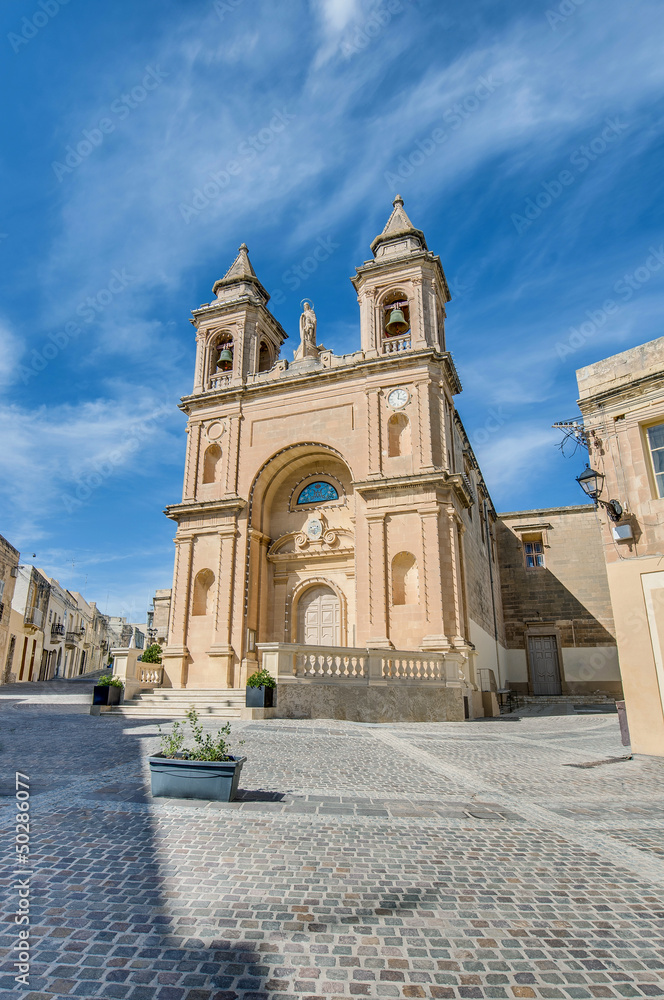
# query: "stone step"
{"points": [[566, 699], [166, 711], [174, 703]]}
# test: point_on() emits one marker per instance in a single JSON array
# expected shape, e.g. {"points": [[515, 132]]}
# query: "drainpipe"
{"points": [[493, 596]]}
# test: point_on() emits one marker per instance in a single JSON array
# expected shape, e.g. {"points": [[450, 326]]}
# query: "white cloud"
{"points": [[55, 458]]}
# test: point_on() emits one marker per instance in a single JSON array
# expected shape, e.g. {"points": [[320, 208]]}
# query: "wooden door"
{"points": [[319, 616], [544, 667]]}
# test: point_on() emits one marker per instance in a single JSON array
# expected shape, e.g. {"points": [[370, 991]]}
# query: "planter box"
{"points": [[106, 694], [195, 779], [262, 697]]}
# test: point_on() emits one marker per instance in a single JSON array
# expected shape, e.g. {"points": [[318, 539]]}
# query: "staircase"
{"points": [[173, 703]]}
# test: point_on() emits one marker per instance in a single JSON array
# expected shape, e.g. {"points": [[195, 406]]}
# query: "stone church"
{"points": [[335, 526]]}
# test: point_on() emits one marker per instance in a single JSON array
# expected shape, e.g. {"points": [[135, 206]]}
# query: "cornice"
{"points": [[230, 505], [365, 367]]}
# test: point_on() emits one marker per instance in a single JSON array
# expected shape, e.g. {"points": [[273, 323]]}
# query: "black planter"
{"points": [[261, 697], [106, 694], [195, 779]]}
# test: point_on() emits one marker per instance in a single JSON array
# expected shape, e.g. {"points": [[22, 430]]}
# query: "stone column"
{"points": [[374, 457], [377, 577], [201, 352], [431, 584], [192, 461], [424, 428], [175, 657], [221, 647], [452, 598], [233, 453]]}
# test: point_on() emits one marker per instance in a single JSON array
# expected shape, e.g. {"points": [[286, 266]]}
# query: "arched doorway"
{"points": [[319, 617]]}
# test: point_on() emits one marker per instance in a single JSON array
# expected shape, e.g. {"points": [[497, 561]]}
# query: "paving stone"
{"points": [[335, 875]]}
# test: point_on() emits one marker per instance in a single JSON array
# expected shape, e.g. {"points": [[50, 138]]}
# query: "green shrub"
{"points": [[107, 681], [212, 747], [152, 654], [261, 679]]}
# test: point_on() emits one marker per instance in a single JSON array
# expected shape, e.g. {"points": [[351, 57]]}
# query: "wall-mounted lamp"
{"points": [[592, 484]]}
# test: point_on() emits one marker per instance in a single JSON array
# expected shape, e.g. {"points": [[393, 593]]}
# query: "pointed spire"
{"points": [[241, 266], [398, 226], [241, 270]]}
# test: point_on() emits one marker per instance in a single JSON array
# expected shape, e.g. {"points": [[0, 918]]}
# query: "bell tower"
{"points": [[236, 334], [402, 292]]}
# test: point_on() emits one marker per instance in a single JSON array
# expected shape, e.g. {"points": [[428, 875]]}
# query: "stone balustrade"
{"points": [[365, 685], [345, 664], [151, 674], [134, 674], [396, 344]]}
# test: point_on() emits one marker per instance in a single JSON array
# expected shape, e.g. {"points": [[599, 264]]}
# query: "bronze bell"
{"points": [[397, 323], [225, 358]]}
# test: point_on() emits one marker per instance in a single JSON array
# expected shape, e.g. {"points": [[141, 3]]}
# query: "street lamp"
{"points": [[592, 484]]}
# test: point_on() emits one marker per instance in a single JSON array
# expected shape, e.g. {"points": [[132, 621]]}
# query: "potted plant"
{"points": [[260, 690], [107, 691], [207, 771]]}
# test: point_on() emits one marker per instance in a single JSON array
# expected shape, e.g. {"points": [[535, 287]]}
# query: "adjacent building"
{"points": [[559, 628], [9, 563], [622, 402]]}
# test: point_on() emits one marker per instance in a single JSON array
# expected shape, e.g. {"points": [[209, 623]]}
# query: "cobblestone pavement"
{"points": [[460, 860]]}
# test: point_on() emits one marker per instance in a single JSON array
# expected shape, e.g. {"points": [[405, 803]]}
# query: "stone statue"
{"points": [[308, 347]]}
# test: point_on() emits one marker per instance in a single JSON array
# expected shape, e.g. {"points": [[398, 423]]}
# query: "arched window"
{"points": [[319, 492], [405, 582], [264, 357], [212, 464], [202, 585], [398, 435]]}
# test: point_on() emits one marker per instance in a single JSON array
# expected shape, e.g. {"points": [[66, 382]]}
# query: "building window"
{"points": [[533, 551], [656, 443], [320, 492]]}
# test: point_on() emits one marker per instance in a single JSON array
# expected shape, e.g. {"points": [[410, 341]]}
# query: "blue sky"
{"points": [[525, 138]]}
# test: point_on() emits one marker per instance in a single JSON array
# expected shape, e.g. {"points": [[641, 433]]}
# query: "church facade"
{"points": [[334, 523]]}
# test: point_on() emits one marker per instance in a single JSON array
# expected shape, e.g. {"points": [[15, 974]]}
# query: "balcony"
{"points": [[220, 381], [33, 619], [57, 630], [71, 638], [396, 344]]}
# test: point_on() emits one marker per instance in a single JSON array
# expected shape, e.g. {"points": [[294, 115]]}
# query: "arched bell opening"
{"points": [[221, 357], [395, 325], [265, 357]]}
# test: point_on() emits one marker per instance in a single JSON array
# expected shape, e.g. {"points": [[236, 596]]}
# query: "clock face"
{"points": [[398, 398]]}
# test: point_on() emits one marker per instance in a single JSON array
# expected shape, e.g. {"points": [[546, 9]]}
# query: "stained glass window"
{"points": [[318, 493]]}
